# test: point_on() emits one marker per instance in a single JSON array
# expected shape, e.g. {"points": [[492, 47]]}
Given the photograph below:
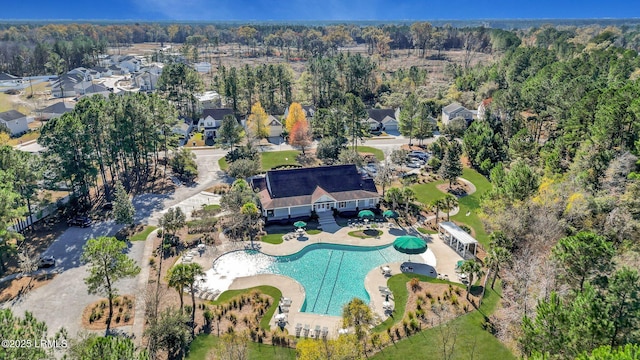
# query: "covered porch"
{"points": [[463, 243]]}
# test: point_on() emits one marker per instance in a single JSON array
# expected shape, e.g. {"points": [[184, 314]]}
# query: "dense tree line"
{"points": [[117, 138]]}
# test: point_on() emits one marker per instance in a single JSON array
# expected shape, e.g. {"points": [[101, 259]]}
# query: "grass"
{"points": [[272, 239], [212, 207], [203, 343], [314, 231], [426, 231], [472, 341], [398, 286], [427, 193], [142, 235], [32, 135], [365, 234], [267, 290], [271, 159], [198, 138], [223, 164], [376, 152]]}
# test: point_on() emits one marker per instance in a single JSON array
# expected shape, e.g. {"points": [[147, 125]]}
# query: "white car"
{"points": [[47, 261]]}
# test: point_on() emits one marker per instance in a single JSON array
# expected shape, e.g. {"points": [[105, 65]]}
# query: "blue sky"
{"points": [[315, 9]]}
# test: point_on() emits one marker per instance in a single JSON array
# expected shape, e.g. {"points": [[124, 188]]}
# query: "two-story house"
{"points": [[211, 121]]}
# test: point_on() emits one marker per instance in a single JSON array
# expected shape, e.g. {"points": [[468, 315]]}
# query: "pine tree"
{"points": [[123, 207], [451, 166]]}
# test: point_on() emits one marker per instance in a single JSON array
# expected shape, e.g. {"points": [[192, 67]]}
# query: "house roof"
{"points": [[296, 187], [58, 108], [100, 69], [452, 107], [309, 110], [5, 77], [68, 81], [217, 114], [272, 119], [11, 115], [380, 114]]}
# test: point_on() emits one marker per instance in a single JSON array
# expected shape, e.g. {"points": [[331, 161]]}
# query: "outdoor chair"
{"points": [[306, 330], [298, 329], [317, 331], [325, 332]]}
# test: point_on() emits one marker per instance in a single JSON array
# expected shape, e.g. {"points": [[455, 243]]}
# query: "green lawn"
{"points": [[426, 231], [427, 193], [472, 340], [398, 286], [365, 233], [314, 231], [142, 235], [368, 149], [271, 159], [202, 344], [223, 164], [272, 238], [267, 290], [211, 207]]}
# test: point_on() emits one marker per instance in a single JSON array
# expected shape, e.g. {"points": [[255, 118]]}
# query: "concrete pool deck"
{"points": [[442, 262]]}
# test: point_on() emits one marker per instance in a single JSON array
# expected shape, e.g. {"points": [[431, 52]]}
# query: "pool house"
{"points": [[458, 239], [295, 193]]}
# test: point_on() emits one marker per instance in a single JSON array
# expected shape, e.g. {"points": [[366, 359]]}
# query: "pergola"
{"points": [[458, 239]]}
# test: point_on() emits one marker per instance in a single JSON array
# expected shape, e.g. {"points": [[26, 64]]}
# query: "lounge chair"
{"points": [[317, 332], [306, 330], [325, 332], [285, 302], [383, 288], [298, 329]]}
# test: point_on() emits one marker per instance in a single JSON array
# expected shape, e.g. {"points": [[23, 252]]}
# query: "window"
{"points": [[269, 213], [342, 204]]}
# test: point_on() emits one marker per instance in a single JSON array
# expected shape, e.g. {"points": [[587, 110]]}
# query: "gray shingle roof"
{"points": [[379, 114], [451, 107], [217, 114], [5, 77], [297, 182], [11, 115], [58, 108]]}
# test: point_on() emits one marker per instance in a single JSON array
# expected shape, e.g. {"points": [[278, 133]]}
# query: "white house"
{"points": [[295, 193], [70, 85], [130, 63], [211, 121], [482, 108], [455, 110], [202, 67], [15, 121], [145, 80], [182, 129], [383, 119]]}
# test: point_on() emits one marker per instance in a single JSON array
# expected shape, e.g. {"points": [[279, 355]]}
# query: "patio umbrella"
{"points": [[299, 224], [390, 214], [366, 214], [409, 245]]}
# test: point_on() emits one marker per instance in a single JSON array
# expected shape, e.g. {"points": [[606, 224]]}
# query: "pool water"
{"points": [[331, 274]]}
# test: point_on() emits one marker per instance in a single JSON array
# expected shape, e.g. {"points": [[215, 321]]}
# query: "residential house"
{"points": [[211, 121], [202, 67], [295, 193], [182, 129], [130, 63], [455, 110], [9, 80], [155, 68], [15, 121], [70, 85], [117, 70], [145, 80], [56, 110], [102, 71], [275, 126], [383, 119], [208, 100]]}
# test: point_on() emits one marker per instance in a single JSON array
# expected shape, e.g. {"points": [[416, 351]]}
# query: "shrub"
{"points": [[117, 319], [414, 284], [152, 261], [127, 317]]}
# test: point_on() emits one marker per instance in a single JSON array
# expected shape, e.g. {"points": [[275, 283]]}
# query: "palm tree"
{"points": [[437, 205], [195, 274], [178, 277], [473, 269], [394, 196], [496, 257], [408, 195], [449, 202]]}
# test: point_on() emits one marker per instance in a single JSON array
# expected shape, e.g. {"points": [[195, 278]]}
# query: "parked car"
{"points": [[82, 221], [47, 261], [419, 154], [413, 165]]}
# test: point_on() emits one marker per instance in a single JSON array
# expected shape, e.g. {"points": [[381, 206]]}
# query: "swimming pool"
{"points": [[331, 274]]}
